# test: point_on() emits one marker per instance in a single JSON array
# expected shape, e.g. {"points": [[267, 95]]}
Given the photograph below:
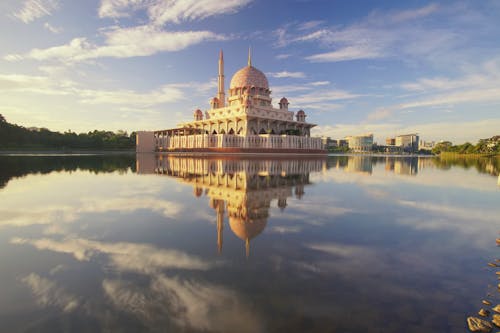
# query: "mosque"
{"points": [[244, 122]]}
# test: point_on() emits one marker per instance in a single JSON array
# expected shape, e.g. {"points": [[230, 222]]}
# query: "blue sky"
{"points": [[386, 67]]}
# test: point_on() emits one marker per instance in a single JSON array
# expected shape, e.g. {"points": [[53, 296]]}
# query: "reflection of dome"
{"points": [[249, 76], [247, 229]]}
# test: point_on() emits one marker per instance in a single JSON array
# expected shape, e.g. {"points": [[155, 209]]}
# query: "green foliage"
{"points": [[18, 137], [484, 146]]}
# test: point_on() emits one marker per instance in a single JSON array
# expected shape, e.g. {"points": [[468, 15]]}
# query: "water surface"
{"points": [[167, 244]]}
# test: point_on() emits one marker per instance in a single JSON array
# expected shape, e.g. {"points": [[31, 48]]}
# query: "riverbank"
{"points": [[455, 155], [52, 152]]}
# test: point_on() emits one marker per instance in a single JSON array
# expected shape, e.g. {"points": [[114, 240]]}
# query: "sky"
{"points": [[354, 67]]}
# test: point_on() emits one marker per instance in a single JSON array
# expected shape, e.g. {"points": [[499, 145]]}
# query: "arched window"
{"points": [[214, 132], [231, 131], [262, 131], [222, 132]]}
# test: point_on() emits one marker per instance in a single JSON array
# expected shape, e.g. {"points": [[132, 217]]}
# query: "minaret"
{"points": [[221, 95]]}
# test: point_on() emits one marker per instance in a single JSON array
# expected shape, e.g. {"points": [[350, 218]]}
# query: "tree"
{"points": [[2, 119]]}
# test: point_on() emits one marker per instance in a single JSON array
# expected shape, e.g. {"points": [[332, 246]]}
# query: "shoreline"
{"points": [[55, 152]]}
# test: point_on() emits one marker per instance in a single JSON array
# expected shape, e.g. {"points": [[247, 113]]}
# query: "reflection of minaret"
{"points": [[218, 205], [299, 191], [221, 95]]}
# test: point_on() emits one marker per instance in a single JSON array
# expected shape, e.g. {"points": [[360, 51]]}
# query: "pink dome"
{"points": [[300, 113], [198, 112], [283, 100], [249, 76]]}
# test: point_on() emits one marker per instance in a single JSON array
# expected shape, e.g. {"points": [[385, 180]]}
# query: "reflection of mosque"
{"points": [[241, 189]]}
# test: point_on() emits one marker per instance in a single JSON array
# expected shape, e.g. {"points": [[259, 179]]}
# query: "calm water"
{"points": [[340, 244]]}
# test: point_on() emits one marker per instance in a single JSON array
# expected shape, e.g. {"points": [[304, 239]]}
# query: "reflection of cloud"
{"points": [[453, 211], [54, 215], [167, 208], [47, 293], [286, 229], [201, 306], [340, 250], [124, 256]]}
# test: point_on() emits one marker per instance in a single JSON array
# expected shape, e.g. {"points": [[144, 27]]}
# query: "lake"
{"points": [[120, 243]]}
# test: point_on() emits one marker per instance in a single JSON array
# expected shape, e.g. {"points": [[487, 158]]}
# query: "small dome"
{"points": [[198, 112], [283, 101], [249, 76], [301, 113]]}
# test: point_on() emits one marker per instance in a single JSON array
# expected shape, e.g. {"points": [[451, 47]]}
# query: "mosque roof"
{"points": [[249, 76]]}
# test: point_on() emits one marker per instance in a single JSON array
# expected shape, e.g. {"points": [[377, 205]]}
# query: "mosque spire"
{"points": [[249, 56], [221, 95]]}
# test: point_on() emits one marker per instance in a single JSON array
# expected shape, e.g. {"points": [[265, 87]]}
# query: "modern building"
{"points": [[360, 143], [426, 145], [245, 121], [408, 142]]}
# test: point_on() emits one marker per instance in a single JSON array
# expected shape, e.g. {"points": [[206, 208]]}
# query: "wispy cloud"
{"points": [[379, 35], [137, 41], [347, 53], [286, 74], [34, 9], [175, 11], [51, 28]]}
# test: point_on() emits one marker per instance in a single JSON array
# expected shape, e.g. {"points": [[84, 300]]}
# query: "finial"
{"points": [[249, 56]]}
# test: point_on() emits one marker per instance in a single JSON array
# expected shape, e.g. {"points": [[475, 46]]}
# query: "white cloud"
{"points": [[286, 74], [34, 9], [283, 56], [137, 41], [51, 28], [346, 53], [310, 24], [412, 14], [174, 11]]}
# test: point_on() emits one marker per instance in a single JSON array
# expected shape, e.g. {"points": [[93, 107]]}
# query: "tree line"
{"points": [[13, 136], [484, 146]]}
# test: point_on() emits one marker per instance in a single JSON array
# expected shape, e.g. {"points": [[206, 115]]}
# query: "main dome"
{"points": [[249, 76]]}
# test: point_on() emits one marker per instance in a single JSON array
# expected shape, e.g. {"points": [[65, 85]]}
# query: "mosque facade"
{"points": [[244, 121]]}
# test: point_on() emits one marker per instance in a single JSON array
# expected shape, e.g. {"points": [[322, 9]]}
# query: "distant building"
{"points": [[426, 145], [390, 142], [341, 143], [360, 143], [407, 142], [328, 143]]}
